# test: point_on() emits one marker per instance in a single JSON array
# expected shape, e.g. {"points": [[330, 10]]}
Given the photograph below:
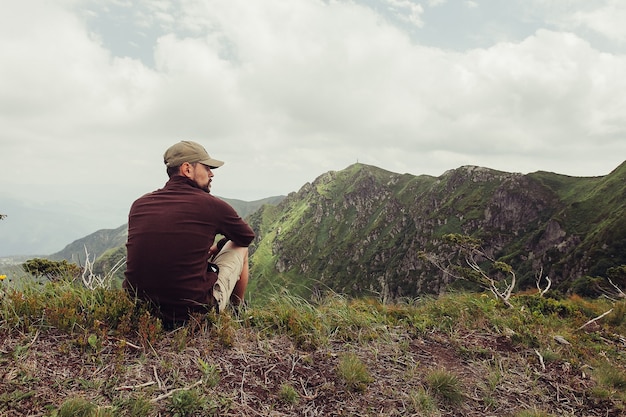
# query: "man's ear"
{"points": [[185, 169]]}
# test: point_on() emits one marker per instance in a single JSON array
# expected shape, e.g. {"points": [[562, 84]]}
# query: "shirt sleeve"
{"points": [[233, 227]]}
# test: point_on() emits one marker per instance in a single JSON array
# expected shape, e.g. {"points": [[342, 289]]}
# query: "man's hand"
{"points": [[213, 251]]}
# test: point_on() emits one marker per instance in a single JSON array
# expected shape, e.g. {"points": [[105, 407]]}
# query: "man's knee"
{"points": [[232, 256], [232, 261], [231, 246]]}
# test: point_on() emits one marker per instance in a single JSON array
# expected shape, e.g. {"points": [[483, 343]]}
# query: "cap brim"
{"points": [[212, 163]]}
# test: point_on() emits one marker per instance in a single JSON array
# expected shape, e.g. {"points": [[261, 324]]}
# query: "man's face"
{"points": [[198, 173]]}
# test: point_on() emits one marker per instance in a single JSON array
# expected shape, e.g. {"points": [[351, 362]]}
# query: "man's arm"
{"points": [[234, 228]]}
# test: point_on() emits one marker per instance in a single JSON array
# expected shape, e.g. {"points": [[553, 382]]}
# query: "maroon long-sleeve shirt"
{"points": [[170, 232]]}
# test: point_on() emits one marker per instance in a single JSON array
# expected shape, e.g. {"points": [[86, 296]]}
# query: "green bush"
{"points": [[52, 270], [547, 306]]}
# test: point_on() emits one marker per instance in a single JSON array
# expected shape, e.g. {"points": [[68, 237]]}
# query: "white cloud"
{"points": [[608, 20], [284, 91], [410, 11], [605, 17]]}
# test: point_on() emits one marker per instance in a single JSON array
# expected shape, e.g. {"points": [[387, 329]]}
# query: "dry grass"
{"points": [[69, 351]]}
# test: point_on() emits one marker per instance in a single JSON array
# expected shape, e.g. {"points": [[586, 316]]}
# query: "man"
{"points": [[172, 260]]}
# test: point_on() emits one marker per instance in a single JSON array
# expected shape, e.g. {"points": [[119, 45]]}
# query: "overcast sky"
{"points": [[93, 92]]}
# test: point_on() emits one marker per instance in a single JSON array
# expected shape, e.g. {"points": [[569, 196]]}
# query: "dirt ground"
{"points": [[39, 371]]}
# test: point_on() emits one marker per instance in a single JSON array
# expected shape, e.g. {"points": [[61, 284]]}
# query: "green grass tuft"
{"points": [[353, 372], [445, 385]]}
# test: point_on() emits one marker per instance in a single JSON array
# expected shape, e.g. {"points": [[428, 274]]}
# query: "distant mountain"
{"points": [[37, 228], [245, 208], [359, 231], [102, 241], [95, 244]]}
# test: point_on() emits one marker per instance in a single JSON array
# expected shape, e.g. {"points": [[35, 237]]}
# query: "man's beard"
{"points": [[206, 188]]}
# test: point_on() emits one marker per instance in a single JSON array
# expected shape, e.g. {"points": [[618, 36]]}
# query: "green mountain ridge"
{"points": [[359, 231]]}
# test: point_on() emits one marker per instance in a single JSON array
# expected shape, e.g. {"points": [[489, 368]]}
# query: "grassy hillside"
{"points": [[359, 231], [68, 351], [594, 209]]}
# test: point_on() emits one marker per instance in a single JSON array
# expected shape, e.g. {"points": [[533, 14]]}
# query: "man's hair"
{"points": [[171, 171]]}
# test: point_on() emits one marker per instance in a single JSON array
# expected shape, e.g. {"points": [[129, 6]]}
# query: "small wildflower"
{"points": [[2, 277]]}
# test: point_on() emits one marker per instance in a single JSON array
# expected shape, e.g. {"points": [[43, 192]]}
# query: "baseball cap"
{"points": [[188, 151]]}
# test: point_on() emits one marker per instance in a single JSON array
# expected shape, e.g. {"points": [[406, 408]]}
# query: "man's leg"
{"points": [[232, 279], [239, 291]]}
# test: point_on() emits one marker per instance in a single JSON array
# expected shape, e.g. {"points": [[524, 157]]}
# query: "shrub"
{"points": [[210, 373], [70, 307], [52, 270], [547, 306]]}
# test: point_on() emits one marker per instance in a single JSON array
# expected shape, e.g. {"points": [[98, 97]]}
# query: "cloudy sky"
{"points": [[92, 92]]}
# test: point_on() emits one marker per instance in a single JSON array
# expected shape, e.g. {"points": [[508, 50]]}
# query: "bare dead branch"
{"points": [[435, 262], [596, 319], [620, 293], [127, 343], [473, 254], [492, 284], [543, 365], [93, 281], [511, 286], [539, 274], [172, 392], [156, 376], [132, 387]]}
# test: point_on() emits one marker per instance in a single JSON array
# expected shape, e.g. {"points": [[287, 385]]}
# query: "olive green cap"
{"points": [[188, 151]]}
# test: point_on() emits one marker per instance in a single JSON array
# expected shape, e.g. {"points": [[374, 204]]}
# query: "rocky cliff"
{"points": [[360, 230]]}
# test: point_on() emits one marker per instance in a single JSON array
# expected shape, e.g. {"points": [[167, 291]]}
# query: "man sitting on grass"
{"points": [[172, 260]]}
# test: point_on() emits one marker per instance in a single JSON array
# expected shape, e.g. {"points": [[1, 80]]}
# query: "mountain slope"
{"points": [[360, 230], [95, 244]]}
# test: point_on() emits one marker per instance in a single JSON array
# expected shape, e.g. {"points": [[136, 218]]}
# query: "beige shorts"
{"points": [[230, 261]]}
